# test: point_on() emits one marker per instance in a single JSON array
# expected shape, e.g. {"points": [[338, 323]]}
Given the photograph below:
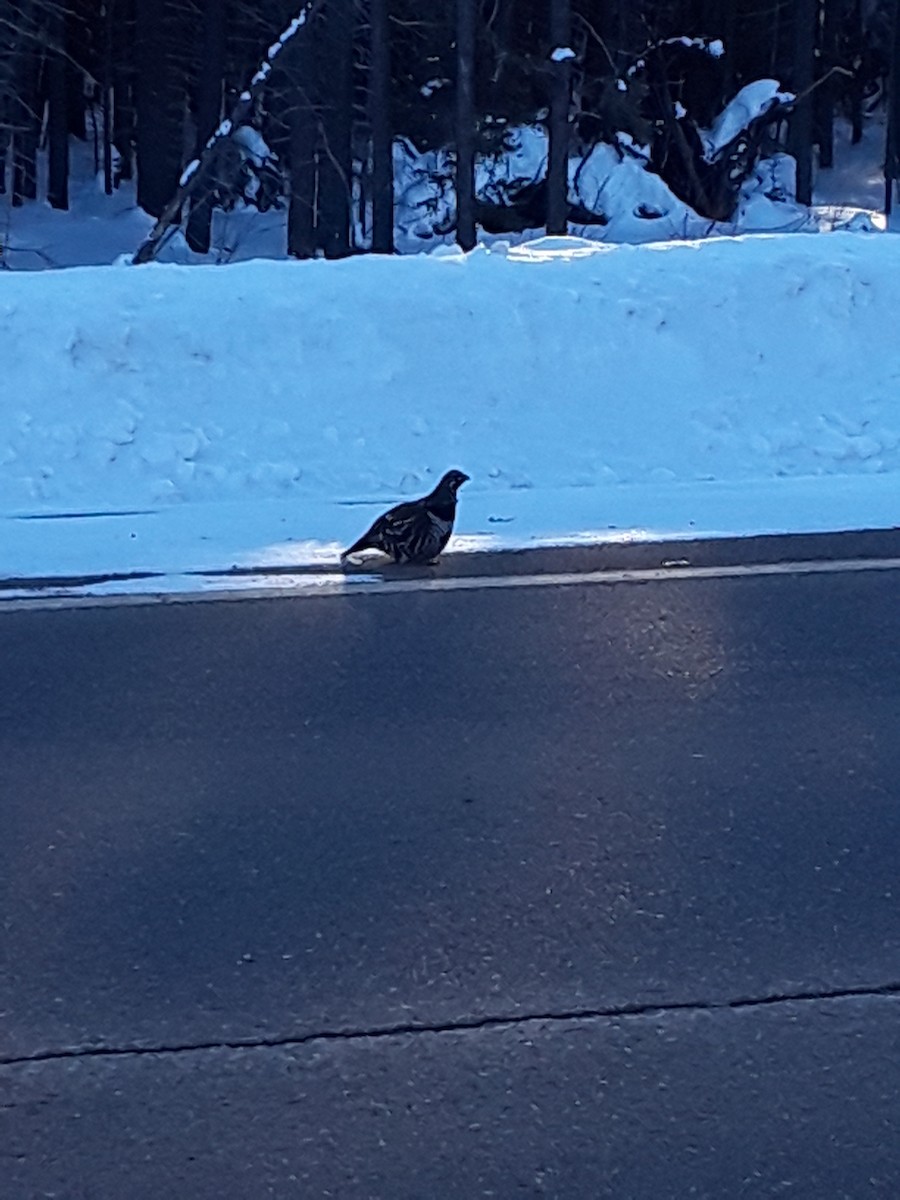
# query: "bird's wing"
{"points": [[387, 529], [398, 521]]}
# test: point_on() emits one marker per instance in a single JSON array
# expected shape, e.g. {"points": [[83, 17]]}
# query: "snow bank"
{"points": [[558, 368]]}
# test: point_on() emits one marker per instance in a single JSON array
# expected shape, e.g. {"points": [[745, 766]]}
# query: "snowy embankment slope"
{"points": [[264, 412]]}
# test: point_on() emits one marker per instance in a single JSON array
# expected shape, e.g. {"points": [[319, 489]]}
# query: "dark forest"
{"points": [[150, 81]]}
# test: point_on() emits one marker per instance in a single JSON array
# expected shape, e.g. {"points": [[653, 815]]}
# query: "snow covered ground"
{"points": [[172, 418]]}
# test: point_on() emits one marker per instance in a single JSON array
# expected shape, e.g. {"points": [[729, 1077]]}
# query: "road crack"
{"points": [[463, 1025]]}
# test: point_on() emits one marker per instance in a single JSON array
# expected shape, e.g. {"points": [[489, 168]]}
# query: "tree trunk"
{"points": [[382, 137], [465, 123], [856, 37], [560, 84], [57, 113], [123, 117], [106, 95], [502, 30], [78, 50], [302, 210], [336, 151], [892, 149], [801, 133], [7, 77], [826, 97], [209, 113], [27, 128], [159, 102], [303, 119]]}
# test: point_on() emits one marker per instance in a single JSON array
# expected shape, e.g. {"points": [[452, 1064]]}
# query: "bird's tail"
{"points": [[362, 543]]}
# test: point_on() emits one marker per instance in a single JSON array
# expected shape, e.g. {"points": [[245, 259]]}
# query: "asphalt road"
{"points": [[572, 891]]}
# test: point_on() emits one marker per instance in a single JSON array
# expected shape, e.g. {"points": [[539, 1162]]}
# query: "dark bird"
{"points": [[417, 531]]}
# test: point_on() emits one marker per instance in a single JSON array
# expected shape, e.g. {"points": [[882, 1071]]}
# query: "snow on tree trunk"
{"points": [[197, 172]]}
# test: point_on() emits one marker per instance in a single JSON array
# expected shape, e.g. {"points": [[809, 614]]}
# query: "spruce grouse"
{"points": [[418, 530]]}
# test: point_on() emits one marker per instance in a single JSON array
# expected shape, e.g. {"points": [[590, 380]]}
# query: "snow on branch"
{"points": [[711, 46], [196, 171], [752, 102]]}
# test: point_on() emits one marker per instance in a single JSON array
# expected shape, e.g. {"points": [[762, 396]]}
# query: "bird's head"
{"points": [[452, 481]]}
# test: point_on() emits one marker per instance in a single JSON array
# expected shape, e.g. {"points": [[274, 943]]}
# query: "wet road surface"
{"points": [[570, 891]]}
